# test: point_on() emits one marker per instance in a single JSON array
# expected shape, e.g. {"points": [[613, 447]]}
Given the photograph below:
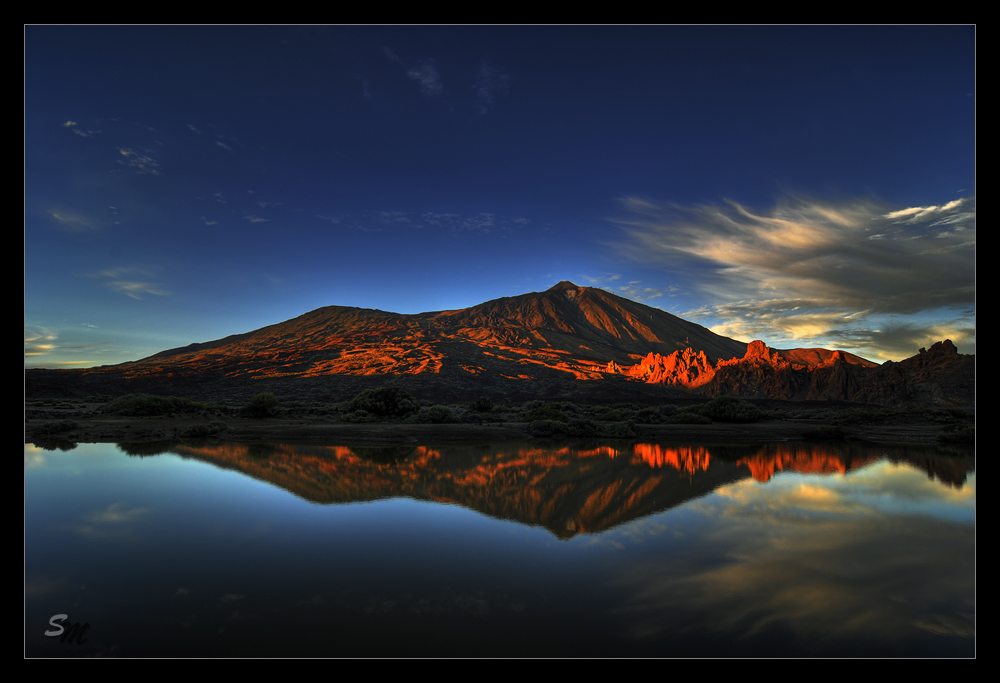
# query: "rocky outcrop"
{"points": [[687, 368], [939, 375]]}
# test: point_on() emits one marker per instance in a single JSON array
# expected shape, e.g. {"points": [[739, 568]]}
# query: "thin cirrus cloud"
{"points": [[490, 86], [138, 161], [427, 76], [631, 290], [73, 222], [852, 271], [123, 280], [39, 341]]}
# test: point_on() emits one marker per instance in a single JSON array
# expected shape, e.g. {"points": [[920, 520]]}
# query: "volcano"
{"points": [[567, 340], [566, 331]]}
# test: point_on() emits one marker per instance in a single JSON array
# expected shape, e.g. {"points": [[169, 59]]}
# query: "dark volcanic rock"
{"points": [[939, 376]]}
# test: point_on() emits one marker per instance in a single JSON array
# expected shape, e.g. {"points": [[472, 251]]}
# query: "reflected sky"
{"points": [[179, 556], [810, 564]]}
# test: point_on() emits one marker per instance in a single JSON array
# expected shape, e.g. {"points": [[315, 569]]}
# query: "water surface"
{"points": [[587, 549]]}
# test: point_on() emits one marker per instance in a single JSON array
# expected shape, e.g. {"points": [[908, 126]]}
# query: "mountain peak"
{"points": [[562, 286]]}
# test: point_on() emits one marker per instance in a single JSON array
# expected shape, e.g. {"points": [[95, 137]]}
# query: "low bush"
{"points": [[648, 416], [730, 409], [617, 430], [581, 428], [433, 415], [139, 405], [549, 411], [548, 428], [358, 416], [263, 404], [482, 405], [385, 402]]}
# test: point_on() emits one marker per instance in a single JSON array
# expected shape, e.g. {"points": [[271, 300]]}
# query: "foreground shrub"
{"points": [[263, 404], [482, 405], [384, 401], [548, 428], [138, 405], [617, 430], [731, 409], [549, 411], [648, 416], [585, 428]]}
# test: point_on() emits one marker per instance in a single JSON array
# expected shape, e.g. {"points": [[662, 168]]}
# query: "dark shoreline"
{"points": [[114, 428]]}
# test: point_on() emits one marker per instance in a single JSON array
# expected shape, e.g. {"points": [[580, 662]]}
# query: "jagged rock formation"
{"points": [[688, 368], [940, 375]]}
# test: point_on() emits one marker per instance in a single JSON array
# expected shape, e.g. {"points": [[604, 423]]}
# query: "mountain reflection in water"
{"points": [[585, 549], [586, 488]]}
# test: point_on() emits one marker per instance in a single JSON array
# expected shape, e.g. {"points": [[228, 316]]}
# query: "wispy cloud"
{"points": [[391, 56], [39, 341], [74, 128], [124, 280], [140, 162], [603, 281], [810, 270], [484, 222], [631, 290], [427, 76], [635, 291], [490, 85], [73, 221]]}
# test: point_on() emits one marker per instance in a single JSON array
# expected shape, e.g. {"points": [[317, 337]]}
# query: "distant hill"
{"points": [[565, 341]]}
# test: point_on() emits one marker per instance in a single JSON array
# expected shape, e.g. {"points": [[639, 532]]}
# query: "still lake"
{"points": [[508, 549]]}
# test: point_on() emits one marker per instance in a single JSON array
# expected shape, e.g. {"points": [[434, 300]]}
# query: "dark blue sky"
{"points": [[809, 186]]}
